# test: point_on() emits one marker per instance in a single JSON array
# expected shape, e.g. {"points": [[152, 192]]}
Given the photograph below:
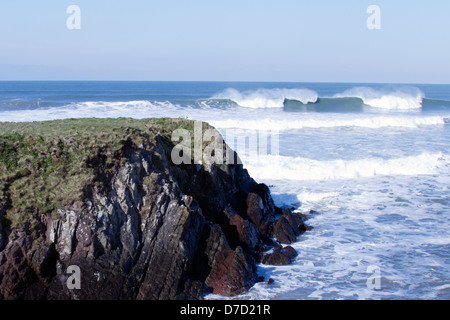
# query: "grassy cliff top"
{"points": [[91, 126], [45, 166]]}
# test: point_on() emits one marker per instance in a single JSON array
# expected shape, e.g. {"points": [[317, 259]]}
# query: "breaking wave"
{"points": [[353, 100], [405, 98], [267, 98], [316, 123], [275, 167], [97, 109]]}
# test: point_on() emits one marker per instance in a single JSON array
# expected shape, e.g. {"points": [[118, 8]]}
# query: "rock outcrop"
{"points": [[148, 229]]}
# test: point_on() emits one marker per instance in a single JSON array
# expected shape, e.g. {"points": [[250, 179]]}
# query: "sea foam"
{"points": [[402, 98], [276, 167], [374, 122], [98, 109], [267, 98]]}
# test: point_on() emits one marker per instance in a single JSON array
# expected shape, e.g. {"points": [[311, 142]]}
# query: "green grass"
{"points": [[45, 166]]}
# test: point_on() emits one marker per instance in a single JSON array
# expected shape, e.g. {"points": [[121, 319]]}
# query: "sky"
{"points": [[218, 40]]}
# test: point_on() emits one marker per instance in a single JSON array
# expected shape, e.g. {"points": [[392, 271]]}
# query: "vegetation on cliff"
{"points": [[104, 195], [45, 166]]}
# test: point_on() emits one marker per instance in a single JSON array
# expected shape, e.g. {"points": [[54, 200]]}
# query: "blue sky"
{"points": [[218, 40]]}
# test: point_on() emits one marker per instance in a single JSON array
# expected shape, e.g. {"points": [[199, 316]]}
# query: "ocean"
{"points": [[369, 164]]}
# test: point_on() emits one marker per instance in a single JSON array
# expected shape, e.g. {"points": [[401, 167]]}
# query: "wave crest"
{"points": [[404, 98], [275, 167], [267, 98], [317, 123], [98, 109]]}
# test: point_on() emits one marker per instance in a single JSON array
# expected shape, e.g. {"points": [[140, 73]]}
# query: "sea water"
{"points": [[369, 164]]}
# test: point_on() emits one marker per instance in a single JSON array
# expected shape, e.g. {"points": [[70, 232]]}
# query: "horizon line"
{"points": [[229, 81]]}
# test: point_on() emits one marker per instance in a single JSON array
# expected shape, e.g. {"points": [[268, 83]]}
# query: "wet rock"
{"points": [[280, 256], [288, 227]]}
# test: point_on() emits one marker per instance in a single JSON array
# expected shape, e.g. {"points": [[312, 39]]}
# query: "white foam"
{"points": [[439, 241], [275, 167], [373, 122], [404, 98], [97, 109], [267, 98], [444, 287], [307, 196]]}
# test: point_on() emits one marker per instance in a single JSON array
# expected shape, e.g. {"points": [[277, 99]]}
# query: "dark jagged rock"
{"points": [[3, 239], [289, 226], [280, 256], [146, 229], [17, 275]]}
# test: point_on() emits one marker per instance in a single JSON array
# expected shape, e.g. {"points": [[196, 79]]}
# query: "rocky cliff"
{"points": [[105, 196]]}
